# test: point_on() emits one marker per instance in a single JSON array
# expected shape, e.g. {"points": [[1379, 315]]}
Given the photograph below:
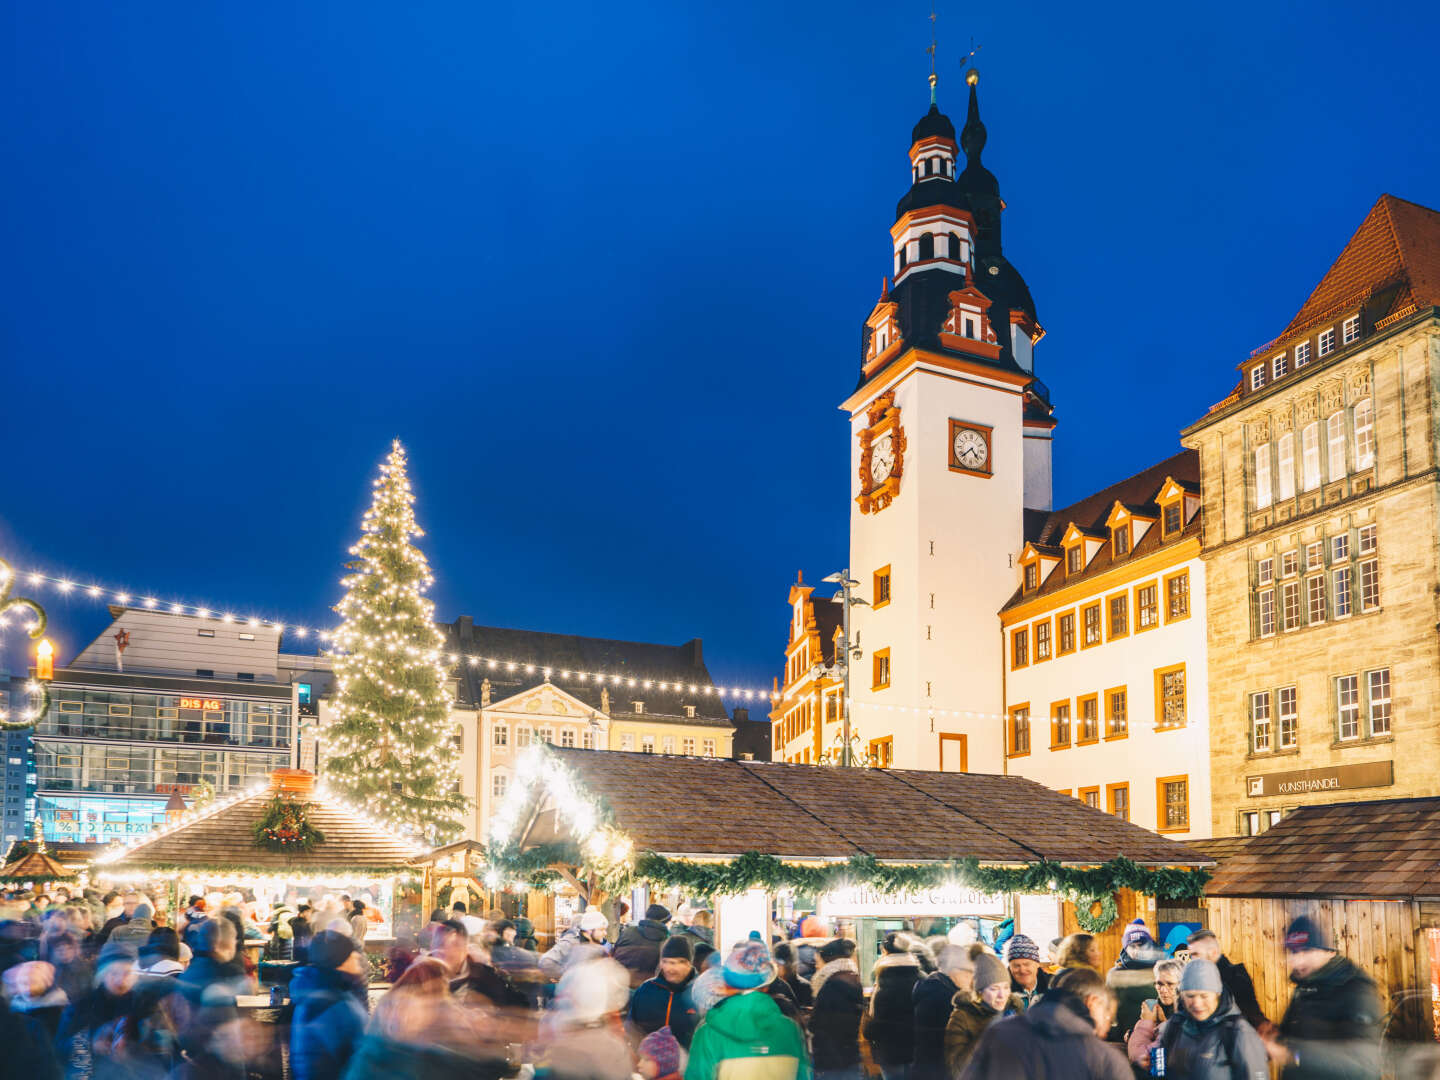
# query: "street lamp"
{"points": [[844, 654]]}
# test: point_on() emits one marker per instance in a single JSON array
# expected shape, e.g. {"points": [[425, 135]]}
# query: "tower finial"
{"points": [[931, 50]]}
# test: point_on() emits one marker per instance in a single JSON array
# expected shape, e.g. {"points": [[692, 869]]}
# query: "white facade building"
{"points": [[1106, 689]]}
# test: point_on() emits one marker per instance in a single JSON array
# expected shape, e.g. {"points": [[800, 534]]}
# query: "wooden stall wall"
{"points": [[1386, 939], [1131, 905]]}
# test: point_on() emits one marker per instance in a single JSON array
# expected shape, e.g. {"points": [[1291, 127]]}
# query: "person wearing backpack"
{"points": [[1208, 1039]]}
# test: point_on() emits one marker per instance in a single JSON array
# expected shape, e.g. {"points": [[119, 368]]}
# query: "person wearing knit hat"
{"points": [[660, 1056], [976, 1009], [1207, 1037], [1132, 979], [890, 1020], [839, 1005], [331, 1007], [1333, 1024], [1027, 981], [637, 949], [665, 1001], [743, 1034]]}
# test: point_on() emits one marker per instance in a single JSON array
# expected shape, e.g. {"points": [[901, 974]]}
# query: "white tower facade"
{"points": [[950, 437]]}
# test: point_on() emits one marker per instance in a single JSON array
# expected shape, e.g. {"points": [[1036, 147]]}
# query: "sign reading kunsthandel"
{"points": [[1332, 778], [861, 902]]}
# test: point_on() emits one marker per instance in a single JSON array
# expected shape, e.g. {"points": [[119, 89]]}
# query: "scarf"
{"points": [[834, 966]]}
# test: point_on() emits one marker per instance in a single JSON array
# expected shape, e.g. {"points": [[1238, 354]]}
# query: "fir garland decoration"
{"points": [[1092, 923], [755, 870], [285, 827]]}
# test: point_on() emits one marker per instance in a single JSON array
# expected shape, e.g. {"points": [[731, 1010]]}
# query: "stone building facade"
{"points": [[1321, 498]]}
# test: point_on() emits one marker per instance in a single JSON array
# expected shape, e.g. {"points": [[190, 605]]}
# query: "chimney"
{"points": [[696, 650], [292, 782], [741, 715], [465, 628]]}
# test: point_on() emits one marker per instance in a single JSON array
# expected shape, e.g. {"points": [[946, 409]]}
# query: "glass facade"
{"points": [[129, 714], [121, 769], [85, 819]]}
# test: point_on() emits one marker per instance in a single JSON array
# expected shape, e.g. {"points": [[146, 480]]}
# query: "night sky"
{"points": [[603, 269]]}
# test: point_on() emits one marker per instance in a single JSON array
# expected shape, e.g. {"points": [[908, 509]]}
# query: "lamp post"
{"points": [[844, 654]]}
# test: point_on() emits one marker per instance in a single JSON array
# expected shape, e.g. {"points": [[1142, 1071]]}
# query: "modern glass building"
{"points": [[114, 747]]}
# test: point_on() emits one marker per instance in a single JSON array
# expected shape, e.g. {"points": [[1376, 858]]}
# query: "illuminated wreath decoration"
{"points": [[1096, 924], [286, 827]]}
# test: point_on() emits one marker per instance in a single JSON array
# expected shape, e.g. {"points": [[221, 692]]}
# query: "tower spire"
{"points": [[931, 50], [972, 135]]}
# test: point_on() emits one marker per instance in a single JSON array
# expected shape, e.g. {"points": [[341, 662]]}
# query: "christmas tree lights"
{"points": [[389, 748]]}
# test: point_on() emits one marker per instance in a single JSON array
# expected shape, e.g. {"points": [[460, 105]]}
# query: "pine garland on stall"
{"points": [[389, 746]]}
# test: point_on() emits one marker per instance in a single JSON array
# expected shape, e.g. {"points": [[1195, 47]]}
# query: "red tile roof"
{"points": [[1384, 850], [1398, 244], [714, 806]]}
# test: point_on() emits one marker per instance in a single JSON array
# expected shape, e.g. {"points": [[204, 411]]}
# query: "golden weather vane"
{"points": [[973, 75], [931, 50]]}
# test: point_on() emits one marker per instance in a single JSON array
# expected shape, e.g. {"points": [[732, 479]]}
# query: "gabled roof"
{"points": [[1383, 850], [35, 866], [640, 660], [714, 806], [224, 840], [1398, 244]]}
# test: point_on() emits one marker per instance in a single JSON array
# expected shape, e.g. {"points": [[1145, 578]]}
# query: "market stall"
{"points": [[286, 843], [867, 850], [1366, 872]]}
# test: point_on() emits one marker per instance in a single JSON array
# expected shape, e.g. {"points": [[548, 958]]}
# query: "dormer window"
{"points": [[1327, 342], [1032, 576], [1120, 540], [1350, 330], [1302, 354], [639, 706], [1075, 559], [970, 328], [1280, 365], [1172, 519], [690, 712], [1257, 376]]}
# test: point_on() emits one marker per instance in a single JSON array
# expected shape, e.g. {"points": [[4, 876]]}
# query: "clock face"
{"points": [[882, 459], [971, 452]]}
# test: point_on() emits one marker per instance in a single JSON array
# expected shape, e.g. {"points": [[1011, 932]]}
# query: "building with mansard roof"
{"points": [[1321, 498], [1104, 651]]}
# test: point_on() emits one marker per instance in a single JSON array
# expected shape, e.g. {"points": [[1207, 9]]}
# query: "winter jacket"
{"points": [[657, 1003], [134, 933], [698, 935], [746, 1037], [590, 1052], [1333, 1025], [968, 1021], [890, 1022], [94, 1030], [329, 1019], [1030, 997], [379, 1058], [482, 980], [191, 936], [1242, 991], [801, 989], [934, 998], [1055, 1039], [780, 993], [835, 1021], [570, 948], [28, 1047], [1223, 1047], [203, 1002], [637, 949], [1146, 1034], [1133, 980]]}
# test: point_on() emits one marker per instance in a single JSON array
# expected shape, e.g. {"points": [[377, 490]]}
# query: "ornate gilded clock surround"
{"points": [[883, 417]]}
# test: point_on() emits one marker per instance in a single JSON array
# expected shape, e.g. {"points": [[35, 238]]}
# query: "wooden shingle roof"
{"points": [[224, 841], [714, 806], [1384, 850], [35, 866]]}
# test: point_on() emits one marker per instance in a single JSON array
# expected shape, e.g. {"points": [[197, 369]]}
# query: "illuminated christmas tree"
{"points": [[389, 746]]}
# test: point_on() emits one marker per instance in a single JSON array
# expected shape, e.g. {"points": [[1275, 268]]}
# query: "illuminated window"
{"points": [[880, 669], [546, 735], [1092, 625], [1290, 605], [1286, 465], [1310, 457], [709, 747], [1090, 796], [687, 746], [1177, 596], [1315, 599], [1020, 647], [1378, 692], [1120, 540], [1170, 697], [500, 735], [1171, 519], [647, 744], [1289, 717], [1117, 716], [881, 591], [1364, 434], [667, 744], [1089, 719], [882, 752], [1075, 558], [1067, 633], [1147, 609], [1119, 615], [1060, 725], [1335, 437], [1173, 799], [567, 736], [1118, 798], [1042, 640], [1264, 493], [1260, 722]]}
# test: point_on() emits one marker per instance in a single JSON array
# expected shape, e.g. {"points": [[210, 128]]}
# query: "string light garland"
{"points": [[482, 661], [389, 744], [35, 626]]}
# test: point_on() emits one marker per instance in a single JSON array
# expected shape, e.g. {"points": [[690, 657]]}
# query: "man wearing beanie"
{"points": [[1027, 981], [1332, 1027], [665, 1000], [331, 1007], [637, 949], [1207, 1038], [745, 1033]]}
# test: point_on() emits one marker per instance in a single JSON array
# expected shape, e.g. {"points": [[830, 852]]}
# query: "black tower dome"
{"points": [[932, 123]]}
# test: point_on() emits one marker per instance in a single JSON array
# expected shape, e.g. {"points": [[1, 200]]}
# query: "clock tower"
{"points": [[949, 445]]}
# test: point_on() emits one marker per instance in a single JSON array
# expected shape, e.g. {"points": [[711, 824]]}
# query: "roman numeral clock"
{"points": [[882, 455]]}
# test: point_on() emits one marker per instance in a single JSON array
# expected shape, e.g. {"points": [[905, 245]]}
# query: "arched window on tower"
{"points": [[929, 166], [914, 172], [904, 248], [927, 246], [955, 246]]}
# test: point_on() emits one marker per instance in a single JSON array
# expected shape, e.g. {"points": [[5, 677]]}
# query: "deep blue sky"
{"points": [[603, 268]]}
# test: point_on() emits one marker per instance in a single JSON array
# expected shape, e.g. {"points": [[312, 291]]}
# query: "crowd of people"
{"points": [[111, 987]]}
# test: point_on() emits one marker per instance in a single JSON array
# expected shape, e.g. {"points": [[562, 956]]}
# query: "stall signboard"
{"points": [[865, 902]]}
